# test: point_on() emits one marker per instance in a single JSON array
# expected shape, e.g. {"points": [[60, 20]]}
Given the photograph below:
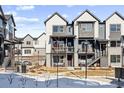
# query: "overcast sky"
{"points": [[30, 19]]}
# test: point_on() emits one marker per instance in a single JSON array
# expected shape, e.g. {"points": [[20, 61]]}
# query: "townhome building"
{"points": [[7, 39], [2, 29], [86, 40], [59, 42], [31, 50], [114, 34]]}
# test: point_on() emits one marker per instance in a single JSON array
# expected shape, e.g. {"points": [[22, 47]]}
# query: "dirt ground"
{"points": [[74, 73]]}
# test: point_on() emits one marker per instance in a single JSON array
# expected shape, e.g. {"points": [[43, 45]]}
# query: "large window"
{"points": [[115, 58], [1, 23], [86, 27], [58, 28], [115, 43], [115, 27], [27, 51]]}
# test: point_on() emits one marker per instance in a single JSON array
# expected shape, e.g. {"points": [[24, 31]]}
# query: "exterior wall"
{"points": [[114, 20], [113, 51], [55, 20], [87, 17], [75, 52], [41, 42], [10, 32], [102, 34], [28, 38]]}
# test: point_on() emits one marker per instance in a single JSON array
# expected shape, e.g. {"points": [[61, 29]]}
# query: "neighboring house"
{"points": [[7, 40], [31, 49], [2, 29], [66, 44]]}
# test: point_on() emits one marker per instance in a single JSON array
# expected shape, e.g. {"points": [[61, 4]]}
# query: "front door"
{"points": [[69, 58]]}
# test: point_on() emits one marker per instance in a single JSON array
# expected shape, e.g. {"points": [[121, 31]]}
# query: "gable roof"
{"points": [[41, 35], [54, 15], [118, 14], [2, 14], [28, 35], [34, 38], [88, 13], [10, 16]]}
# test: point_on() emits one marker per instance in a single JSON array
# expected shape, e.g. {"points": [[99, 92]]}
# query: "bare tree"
{"points": [[10, 78], [23, 81]]}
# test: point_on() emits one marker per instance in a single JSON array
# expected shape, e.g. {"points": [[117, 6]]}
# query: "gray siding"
{"points": [[101, 31], [84, 33], [115, 35], [60, 33], [104, 61]]}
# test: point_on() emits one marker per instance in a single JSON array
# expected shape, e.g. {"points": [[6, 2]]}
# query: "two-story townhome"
{"points": [[2, 29], [114, 26], [59, 42], [9, 41], [32, 49], [90, 40], [86, 39]]}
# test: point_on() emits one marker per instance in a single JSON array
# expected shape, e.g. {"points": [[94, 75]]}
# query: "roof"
{"points": [[2, 13], [118, 14], [41, 35], [54, 15], [87, 12], [10, 16], [34, 38], [28, 35]]}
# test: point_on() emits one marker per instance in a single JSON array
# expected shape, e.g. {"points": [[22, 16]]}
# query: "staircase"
{"points": [[93, 60]]}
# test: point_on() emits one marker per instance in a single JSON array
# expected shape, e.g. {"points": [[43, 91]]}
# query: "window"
{"points": [[1, 23], [55, 59], [115, 58], [58, 28], [27, 51], [118, 43], [115, 43], [115, 27], [87, 27], [28, 42]]}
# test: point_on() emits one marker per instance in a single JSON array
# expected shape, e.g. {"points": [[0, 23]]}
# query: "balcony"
{"points": [[62, 49], [83, 50]]}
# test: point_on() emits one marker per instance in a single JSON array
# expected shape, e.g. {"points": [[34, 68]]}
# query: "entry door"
{"points": [[103, 48], [69, 58]]}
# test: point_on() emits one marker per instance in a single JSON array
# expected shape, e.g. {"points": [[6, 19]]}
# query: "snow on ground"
{"points": [[45, 80]]}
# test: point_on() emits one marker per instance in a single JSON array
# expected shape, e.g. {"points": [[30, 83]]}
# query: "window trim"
{"points": [[117, 43], [28, 42], [86, 27], [116, 27], [27, 51], [58, 29], [117, 57]]}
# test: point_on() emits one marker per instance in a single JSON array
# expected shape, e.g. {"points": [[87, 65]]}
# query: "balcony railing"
{"points": [[62, 49], [83, 50]]}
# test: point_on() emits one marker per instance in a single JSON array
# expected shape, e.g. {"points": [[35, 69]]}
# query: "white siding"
{"points": [[41, 42], [55, 20], [115, 19], [87, 17]]}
